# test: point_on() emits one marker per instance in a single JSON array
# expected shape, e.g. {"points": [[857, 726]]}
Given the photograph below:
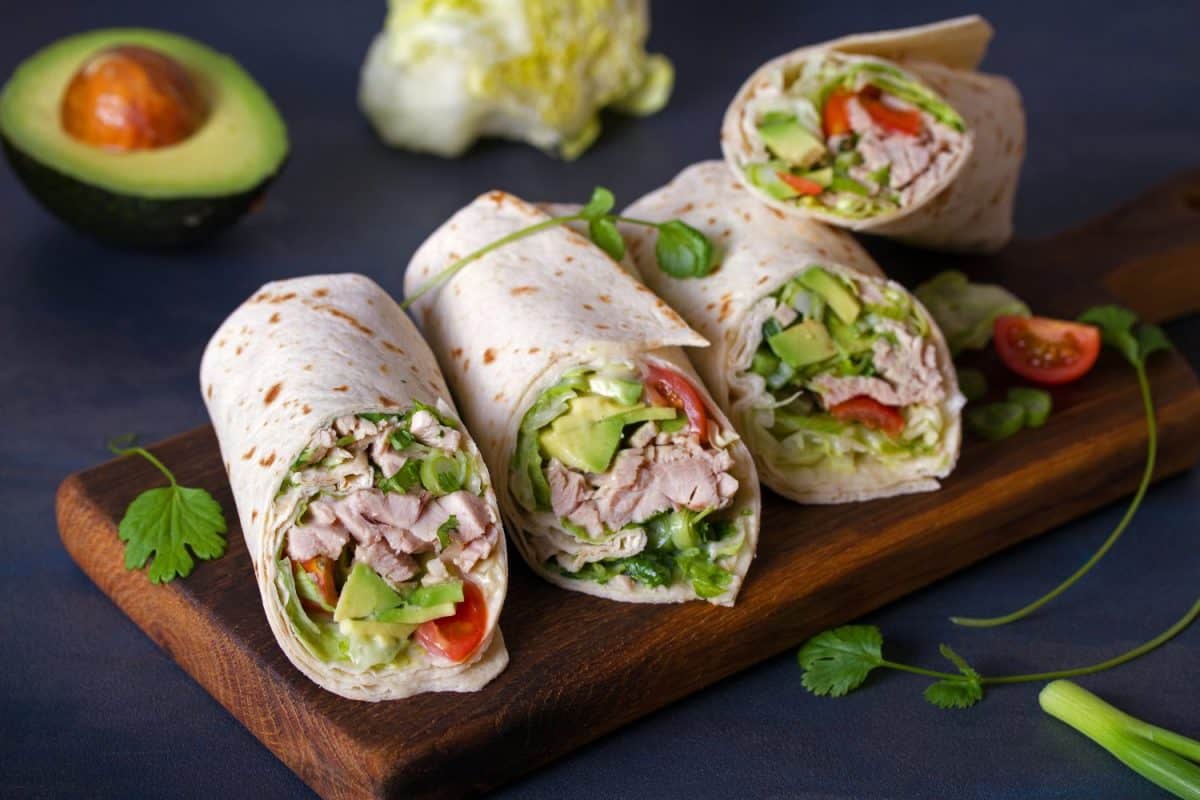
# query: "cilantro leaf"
{"points": [[958, 661], [170, 524], [837, 661], [1116, 328], [1151, 339], [604, 234], [955, 693], [444, 530]]}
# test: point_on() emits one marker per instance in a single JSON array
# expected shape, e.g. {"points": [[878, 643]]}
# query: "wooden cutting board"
{"points": [[582, 666]]}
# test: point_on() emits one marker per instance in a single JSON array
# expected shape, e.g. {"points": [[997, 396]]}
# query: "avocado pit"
{"points": [[129, 97]]}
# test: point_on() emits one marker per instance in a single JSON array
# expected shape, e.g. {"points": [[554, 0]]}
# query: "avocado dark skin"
{"points": [[127, 220]]}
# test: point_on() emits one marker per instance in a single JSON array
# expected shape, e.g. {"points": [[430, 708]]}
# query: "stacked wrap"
{"points": [[970, 208], [760, 250], [512, 323], [294, 357]]}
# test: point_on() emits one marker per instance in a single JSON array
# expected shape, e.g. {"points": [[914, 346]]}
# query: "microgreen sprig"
{"points": [[1120, 330], [838, 661], [681, 250]]}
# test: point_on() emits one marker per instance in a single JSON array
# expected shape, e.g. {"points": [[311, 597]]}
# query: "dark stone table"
{"points": [[96, 342]]}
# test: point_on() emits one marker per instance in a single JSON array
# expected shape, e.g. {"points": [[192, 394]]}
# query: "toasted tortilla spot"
{"points": [[249, 454], [283, 298], [308, 367], [394, 348], [306, 409], [239, 350], [760, 281], [320, 292], [254, 515], [520, 290], [489, 356], [387, 402], [605, 299], [383, 369], [600, 326], [726, 308], [587, 307], [534, 350], [342, 315], [274, 317], [466, 365], [456, 352], [268, 460], [271, 394], [342, 388], [498, 397], [209, 391]]}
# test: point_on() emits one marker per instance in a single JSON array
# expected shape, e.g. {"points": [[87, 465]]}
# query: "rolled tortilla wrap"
{"points": [[547, 336], [347, 462], [891, 133], [785, 395]]}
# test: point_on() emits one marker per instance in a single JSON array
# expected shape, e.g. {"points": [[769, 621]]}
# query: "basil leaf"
{"points": [[683, 251]]}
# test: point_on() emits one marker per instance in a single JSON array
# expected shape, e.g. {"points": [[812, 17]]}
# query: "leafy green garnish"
{"points": [[400, 439], [171, 523], [445, 529], [1120, 330], [403, 480], [966, 312], [682, 251], [838, 661]]}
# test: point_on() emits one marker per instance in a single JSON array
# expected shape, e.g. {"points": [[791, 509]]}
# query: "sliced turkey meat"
{"points": [[908, 368], [641, 483], [916, 163]]}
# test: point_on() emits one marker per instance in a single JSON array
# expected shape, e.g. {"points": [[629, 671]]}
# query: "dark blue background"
{"points": [[95, 342]]}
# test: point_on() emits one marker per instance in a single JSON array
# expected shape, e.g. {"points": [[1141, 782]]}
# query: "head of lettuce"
{"points": [[444, 73]]}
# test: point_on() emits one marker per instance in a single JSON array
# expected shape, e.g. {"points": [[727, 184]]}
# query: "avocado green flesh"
{"points": [[588, 435], [802, 344], [788, 139], [834, 293], [364, 594], [241, 143]]}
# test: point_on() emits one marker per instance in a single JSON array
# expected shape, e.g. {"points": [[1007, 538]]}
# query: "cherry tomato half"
{"points": [[676, 390], [835, 118], [801, 185], [1048, 351], [458, 636], [870, 412], [320, 568]]}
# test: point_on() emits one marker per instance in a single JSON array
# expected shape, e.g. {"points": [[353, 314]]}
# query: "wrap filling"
{"points": [[387, 522], [843, 370], [625, 479], [854, 138]]}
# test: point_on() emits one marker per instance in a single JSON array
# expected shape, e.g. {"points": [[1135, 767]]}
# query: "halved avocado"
{"points": [[176, 194]]}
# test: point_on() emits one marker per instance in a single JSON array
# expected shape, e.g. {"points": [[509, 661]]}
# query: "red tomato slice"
{"points": [[835, 119], [1048, 351], [896, 120], [801, 185], [321, 570], [870, 412], [676, 390], [458, 636]]}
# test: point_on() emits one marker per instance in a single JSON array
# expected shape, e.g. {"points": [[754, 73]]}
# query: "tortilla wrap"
{"points": [[761, 250], [508, 327], [293, 358], [967, 209]]}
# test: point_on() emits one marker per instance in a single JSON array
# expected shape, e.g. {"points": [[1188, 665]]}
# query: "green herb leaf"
{"points": [[603, 232], [599, 205], [1116, 328], [958, 661], [954, 693], [400, 439], [403, 480], [1151, 339], [682, 251], [445, 529], [837, 661], [170, 524]]}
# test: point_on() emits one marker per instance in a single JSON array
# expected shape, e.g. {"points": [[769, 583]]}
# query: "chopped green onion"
{"points": [[764, 363], [442, 474], [996, 421], [1036, 402], [972, 384]]}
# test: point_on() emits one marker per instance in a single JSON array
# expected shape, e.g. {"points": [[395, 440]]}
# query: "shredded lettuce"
{"points": [[445, 72]]}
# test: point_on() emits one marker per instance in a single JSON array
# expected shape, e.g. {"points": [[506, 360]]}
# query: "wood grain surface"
{"points": [[582, 666]]}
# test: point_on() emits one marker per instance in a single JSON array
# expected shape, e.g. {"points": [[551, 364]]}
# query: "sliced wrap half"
{"points": [[892, 133], [366, 507], [617, 473], [837, 378]]}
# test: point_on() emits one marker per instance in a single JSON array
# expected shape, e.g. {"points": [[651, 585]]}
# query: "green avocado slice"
{"points": [[804, 343], [168, 195]]}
